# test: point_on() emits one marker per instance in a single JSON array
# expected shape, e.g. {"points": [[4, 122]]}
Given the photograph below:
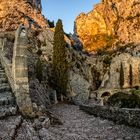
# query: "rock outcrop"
{"points": [[109, 22], [16, 12]]}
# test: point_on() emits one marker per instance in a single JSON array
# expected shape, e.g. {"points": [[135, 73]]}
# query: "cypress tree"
{"points": [[121, 76], [130, 75], [59, 65], [39, 70]]}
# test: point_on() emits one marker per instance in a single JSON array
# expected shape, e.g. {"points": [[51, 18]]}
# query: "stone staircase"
{"points": [[7, 101]]}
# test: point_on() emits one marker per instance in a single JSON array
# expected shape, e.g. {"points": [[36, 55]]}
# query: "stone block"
{"points": [[21, 72], [20, 62], [21, 51]]}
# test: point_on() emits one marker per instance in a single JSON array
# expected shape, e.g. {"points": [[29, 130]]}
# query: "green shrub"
{"points": [[136, 92], [39, 70], [124, 100]]}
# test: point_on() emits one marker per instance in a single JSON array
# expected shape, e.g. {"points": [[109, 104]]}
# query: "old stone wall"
{"points": [[112, 78], [20, 72], [119, 115]]}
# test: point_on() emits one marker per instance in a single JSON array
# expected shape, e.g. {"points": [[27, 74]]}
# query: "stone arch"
{"points": [[105, 94]]}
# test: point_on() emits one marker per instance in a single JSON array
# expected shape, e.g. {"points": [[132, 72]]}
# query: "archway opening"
{"points": [[105, 94]]}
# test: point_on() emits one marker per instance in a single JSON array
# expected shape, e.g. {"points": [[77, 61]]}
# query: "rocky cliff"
{"points": [[15, 12], [109, 22]]}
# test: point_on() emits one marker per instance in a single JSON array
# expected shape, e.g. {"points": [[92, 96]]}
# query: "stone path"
{"points": [[7, 101], [81, 126], [77, 126]]}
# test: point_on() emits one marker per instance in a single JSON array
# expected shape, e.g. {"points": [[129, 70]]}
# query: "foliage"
{"points": [[107, 60], [104, 43], [124, 100], [60, 65], [130, 17], [130, 75], [121, 47], [39, 70], [121, 76], [96, 77], [136, 92], [51, 23], [39, 52]]}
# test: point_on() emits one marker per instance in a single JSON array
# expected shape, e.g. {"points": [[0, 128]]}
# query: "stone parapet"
{"points": [[125, 116], [20, 72]]}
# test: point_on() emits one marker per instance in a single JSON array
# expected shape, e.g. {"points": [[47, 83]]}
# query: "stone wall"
{"points": [[16, 69], [112, 77], [20, 72], [119, 115]]}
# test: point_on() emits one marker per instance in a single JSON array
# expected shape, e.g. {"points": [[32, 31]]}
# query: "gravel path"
{"points": [[80, 126]]}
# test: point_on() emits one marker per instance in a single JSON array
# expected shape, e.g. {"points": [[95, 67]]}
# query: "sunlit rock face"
{"points": [[109, 21], [15, 12], [35, 4]]}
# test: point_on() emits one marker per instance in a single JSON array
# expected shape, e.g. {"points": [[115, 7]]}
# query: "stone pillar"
{"points": [[20, 73]]}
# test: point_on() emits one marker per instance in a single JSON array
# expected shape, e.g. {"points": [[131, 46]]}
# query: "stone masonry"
{"points": [[20, 72]]}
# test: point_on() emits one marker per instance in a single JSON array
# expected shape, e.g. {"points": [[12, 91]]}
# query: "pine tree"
{"points": [[121, 76], [60, 65], [130, 75]]}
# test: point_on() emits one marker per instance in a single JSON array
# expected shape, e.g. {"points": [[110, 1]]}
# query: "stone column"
{"points": [[20, 72]]}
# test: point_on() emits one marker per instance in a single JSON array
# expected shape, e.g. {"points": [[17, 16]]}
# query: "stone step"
{"points": [[7, 100], [1, 70], [4, 87], [2, 75], [6, 93], [3, 80], [7, 110]]}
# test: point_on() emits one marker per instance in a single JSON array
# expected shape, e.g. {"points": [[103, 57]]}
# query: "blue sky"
{"points": [[67, 10]]}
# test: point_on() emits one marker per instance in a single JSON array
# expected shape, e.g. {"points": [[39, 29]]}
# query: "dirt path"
{"points": [[81, 126]]}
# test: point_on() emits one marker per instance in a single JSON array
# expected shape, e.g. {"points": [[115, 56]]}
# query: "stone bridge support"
{"points": [[20, 73]]}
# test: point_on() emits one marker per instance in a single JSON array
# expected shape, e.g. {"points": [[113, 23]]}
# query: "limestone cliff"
{"points": [[108, 22], [15, 12]]}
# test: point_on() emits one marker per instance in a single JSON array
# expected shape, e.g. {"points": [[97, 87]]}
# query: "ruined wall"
{"points": [[112, 78]]}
